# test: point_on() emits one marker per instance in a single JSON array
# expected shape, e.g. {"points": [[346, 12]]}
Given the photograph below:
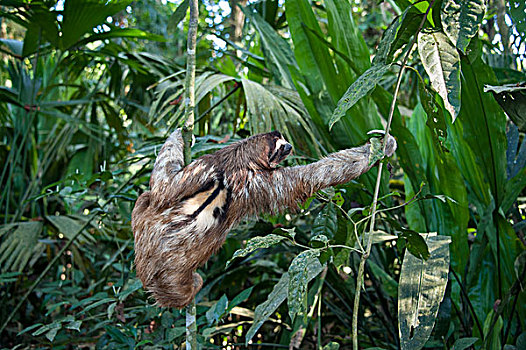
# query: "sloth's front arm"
{"points": [[301, 182]]}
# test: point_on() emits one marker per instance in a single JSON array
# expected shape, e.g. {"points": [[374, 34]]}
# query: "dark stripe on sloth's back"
{"points": [[213, 195]]}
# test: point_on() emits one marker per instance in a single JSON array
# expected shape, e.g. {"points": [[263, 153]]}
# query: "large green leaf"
{"points": [[421, 290], [442, 63], [276, 49], [303, 268], [361, 87], [398, 34], [79, 17], [267, 308], [326, 223], [461, 20], [347, 36]]}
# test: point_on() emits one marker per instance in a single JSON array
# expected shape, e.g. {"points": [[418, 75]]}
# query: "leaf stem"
{"points": [[361, 268]]}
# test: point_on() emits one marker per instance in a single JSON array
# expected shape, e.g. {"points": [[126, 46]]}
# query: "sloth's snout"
{"points": [[287, 148]]}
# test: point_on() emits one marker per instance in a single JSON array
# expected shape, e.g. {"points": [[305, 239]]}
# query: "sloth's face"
{"points": [[279, 148]]}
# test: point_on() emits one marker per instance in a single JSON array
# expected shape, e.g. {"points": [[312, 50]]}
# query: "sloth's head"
{"points": [[278, 148], [262, 151]]}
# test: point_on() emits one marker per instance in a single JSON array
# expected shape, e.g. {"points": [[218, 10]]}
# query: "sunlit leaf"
{"points": [[461, 20], [421, 290], [442, 63], [303, 268]]}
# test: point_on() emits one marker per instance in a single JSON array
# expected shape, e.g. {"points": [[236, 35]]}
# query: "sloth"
{"points": [[189, 210]]}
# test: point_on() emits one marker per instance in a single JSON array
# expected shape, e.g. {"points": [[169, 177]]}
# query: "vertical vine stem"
{"points": [[188, 128], [365, 256]]}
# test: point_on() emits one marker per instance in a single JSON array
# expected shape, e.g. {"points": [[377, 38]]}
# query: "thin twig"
{"points": [[361, 268]]}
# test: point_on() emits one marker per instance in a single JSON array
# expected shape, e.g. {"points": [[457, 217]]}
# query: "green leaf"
{"points": [[442, 63], [512, 99], [69, 226], [461, 20], [397, 35], [421, 290], [361, 87], [493, 340], [256, 243], [464, 343], [76, 23], [173, 333], [415, 243], [276, 49], [326, 223], [216, 312], [303, 268], [332, 346], [517, 9], [436, 120], [267, 308], [238, 299], [178, 15]]}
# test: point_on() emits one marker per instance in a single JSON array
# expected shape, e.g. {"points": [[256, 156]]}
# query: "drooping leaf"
{"points": [[442, 63], [512, 99], [257, 243], [361, 87], [303, 268], [216, 312], [267, 308], [421, 290], [461, 20]]}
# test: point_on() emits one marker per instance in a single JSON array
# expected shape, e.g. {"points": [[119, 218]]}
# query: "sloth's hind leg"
{"points": [[176, 288]]}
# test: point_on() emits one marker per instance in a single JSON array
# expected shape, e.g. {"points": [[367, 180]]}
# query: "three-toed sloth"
{"points": [[187, 213]]}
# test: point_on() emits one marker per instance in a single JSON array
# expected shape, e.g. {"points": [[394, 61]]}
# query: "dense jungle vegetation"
{"points": [[90, 89]]}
